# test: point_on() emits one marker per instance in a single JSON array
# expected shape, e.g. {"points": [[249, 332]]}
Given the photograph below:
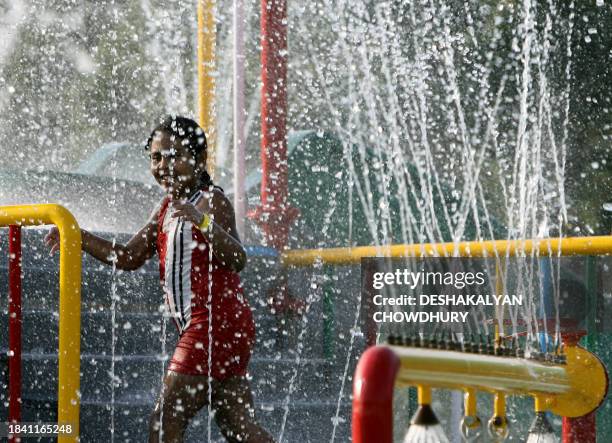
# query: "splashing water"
{"points": [[390, 91], [453, 119], [453, 125], [113, 377], [114, 295], [163, 357], [314, 295], [210, 338]]}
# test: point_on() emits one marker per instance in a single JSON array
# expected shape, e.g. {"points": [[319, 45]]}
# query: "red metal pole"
{"points": [[274, 214], [373, 396], [580, 429], [14, 358]]}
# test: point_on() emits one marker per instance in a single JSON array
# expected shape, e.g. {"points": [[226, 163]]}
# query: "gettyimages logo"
{"points": [[434, 290], [472, 292]]}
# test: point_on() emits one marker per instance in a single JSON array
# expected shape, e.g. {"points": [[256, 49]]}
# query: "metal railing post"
{"points": [[69, 361]]}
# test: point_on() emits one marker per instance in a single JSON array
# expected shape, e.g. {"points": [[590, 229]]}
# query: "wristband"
{"points": [[205, 224]]}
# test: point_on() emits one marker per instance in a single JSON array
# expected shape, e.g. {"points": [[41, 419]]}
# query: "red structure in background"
{"points": [[14, 358], [274, 214], [579, 429]]}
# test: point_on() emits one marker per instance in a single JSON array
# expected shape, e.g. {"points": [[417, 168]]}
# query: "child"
{"points": [[194, 234]]}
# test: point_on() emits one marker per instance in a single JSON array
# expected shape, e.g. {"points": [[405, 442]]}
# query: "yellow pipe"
{"points": [[470, 402], [424, 395], [461, 370], [498, 424], [69, 302], [601, 245], [569, 390], [207, 36], [499, 405], [539, 403]]}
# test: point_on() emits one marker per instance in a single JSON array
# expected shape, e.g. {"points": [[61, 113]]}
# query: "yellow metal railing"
{"points": [[69, 302], [570, 390], [548, 246]]}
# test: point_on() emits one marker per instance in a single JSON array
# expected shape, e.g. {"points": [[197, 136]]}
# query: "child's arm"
{"points": [[129, 257], [223, 234]]}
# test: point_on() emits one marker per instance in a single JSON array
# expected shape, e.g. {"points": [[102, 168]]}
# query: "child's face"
{"points": [[172, 165]]}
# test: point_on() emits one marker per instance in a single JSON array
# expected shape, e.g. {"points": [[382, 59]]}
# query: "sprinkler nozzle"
{"points": [[433, 341], [469, 345], [425, 427], [454, 345], [425, 341], [471, 428], [482, 348], [541, 431], [416, 341], [498, 428], [443, 342], [490, 346]]}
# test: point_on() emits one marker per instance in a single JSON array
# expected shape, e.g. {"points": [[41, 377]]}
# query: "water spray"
{"points": [[425, 426], [541, 431]]}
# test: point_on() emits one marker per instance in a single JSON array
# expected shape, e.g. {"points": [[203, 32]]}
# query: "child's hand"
{"points": [[188, 211], [52, 240]]}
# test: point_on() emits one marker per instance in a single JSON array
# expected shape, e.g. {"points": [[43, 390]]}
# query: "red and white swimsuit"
{"points": [[190, 281]]}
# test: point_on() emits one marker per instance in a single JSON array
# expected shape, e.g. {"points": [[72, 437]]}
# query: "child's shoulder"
{"points": [[216, 197], [213, 191]]}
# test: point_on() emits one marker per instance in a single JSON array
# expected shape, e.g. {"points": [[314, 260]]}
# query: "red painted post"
{"points": [[274, 214], [373, 396], [14, 358], [580, 429]]}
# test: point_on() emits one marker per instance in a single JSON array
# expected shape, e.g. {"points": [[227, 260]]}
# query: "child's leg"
{"points": [[183, 396], [235, 413]]}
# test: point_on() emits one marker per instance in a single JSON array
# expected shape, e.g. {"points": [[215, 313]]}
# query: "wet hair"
{"points": [[191, 135]]}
